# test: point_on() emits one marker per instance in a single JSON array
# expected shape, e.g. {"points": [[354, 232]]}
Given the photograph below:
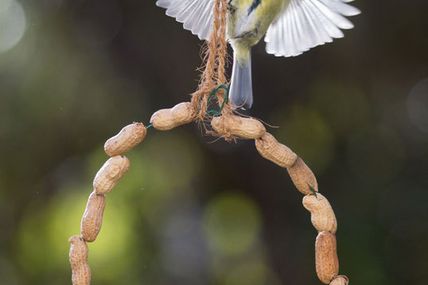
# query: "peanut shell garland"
{"points": [[230, 126]]}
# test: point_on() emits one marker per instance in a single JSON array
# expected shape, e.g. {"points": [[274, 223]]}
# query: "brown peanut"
{"points": [[110, 173], [167, 119], [322, 214], [326, 260], [303, 177], [231, 126], [78, 256], [340, 280], [272, 150], [126, 139], [92, 219]]}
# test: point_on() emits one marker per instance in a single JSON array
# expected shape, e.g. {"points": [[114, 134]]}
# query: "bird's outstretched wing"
{"points": [[304, 24], [196, 15]]}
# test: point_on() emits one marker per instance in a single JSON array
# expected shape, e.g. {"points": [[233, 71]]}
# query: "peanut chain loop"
{"points": [[322, 215]]}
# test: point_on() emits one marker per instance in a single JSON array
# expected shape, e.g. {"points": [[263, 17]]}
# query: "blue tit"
{"points": [[290, 27]]}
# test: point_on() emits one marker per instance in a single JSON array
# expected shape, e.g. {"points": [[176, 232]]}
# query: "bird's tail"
{"points": [[241, 87]]}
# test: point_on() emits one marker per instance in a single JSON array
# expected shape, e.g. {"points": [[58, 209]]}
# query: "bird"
{"points": [[289, 28]]}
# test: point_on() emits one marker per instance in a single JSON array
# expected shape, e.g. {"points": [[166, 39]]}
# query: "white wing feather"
{"points": [[304, 24], [196, 15]]}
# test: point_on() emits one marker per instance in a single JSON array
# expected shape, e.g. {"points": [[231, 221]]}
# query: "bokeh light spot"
{"points": [[44, 234], [12, 24], [232, 223]]}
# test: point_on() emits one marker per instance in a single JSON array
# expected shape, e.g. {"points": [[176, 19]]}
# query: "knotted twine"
{"points": [[214, 61]]}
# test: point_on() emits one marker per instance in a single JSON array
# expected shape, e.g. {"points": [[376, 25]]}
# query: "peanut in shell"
{"points": [[322, 214], [92, 219], [272, 150], [110, 173], [326, 260], [78, 257], [126, 139], [303, 177], [231, 126], [168, 119], [340, 280]]}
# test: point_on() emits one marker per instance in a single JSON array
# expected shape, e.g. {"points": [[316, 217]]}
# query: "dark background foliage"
{"points": [[193, 210]]}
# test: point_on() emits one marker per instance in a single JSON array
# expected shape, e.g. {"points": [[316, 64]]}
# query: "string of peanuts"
{"points": [[322, 214], [227, 125]]}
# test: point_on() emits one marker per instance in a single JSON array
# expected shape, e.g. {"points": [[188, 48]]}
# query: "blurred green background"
{"points": [[193, 210]]}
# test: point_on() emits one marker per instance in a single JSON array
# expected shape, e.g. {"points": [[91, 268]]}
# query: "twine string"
{"points": [[214, 66]]}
